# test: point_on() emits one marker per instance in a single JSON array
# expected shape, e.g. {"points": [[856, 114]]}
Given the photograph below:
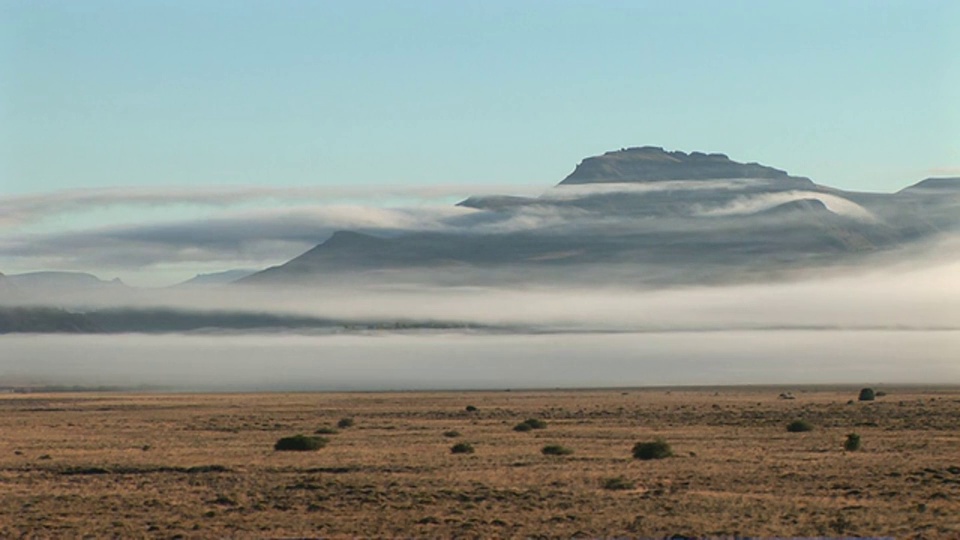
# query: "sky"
{"points": [[400, 104]]}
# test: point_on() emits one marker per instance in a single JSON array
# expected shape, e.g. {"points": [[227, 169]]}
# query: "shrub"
{"points": [[867, 394], [326, 431], [657, 449], [798, 426], [462, 448], [852, 444], [300, 443], [451, 434], [471, 408], [617, 483], [530, 423], [345, 423], [556, 450]]}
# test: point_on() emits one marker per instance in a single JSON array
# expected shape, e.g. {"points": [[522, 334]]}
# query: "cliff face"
{"points": [[651, 164]]}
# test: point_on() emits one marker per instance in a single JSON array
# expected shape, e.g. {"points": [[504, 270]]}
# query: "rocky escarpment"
{"points": [[652, 163]]}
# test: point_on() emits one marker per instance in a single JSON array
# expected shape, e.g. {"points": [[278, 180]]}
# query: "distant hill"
{"points": [[217, 278]]}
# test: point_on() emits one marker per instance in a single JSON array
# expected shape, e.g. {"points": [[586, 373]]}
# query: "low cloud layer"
{"points": [[25, 209], [452, 361]]}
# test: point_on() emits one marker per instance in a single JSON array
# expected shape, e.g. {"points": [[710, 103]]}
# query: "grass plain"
{"points": [[204, 465]]}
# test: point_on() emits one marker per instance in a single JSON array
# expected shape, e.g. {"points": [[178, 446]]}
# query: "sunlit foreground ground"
{"points": [[199, 466]]}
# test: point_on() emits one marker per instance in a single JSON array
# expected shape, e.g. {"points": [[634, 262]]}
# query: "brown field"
{"points": [[201, 466]]}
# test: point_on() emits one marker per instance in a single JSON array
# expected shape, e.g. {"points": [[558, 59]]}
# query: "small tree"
{"points": [[867, 394]]}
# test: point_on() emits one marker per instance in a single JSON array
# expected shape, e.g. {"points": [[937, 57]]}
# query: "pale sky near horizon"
{"points": [[861, 95]]}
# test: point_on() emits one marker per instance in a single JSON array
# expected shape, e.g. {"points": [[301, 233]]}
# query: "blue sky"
{"points": [[862, 95], [865, 95]]}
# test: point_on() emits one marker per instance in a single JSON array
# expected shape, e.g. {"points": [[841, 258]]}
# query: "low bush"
{"points": [[867, 394], [852, 444], [657, 449], [345, 423], [529, 424], [326, 431], [462, 448], [452, 434], [556, 450], [471, 408], [617, 483], [300, 443], [799, 426]]}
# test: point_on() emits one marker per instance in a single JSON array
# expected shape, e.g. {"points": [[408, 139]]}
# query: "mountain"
{"points": [[654, 164], [50, 286], [655, 216], [216, 278]]}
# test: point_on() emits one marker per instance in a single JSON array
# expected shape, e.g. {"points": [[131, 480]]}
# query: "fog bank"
{"points": [[465, 361]]}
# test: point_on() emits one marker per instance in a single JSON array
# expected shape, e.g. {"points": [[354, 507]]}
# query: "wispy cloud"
{"points": [[235, 237], [24, 209]]}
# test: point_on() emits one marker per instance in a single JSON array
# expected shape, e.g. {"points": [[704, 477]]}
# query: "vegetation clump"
{"points": [[471, 408], [301, 443], [452, 434], [556, 450], [867, 394], [530, 424], [799, 426], [617, 483], [657, 449], [852, 444], [326, 431], [462, 448], [345, 423]]}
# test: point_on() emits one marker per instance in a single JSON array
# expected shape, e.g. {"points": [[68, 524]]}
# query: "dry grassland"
{"points": [[203, 466]]}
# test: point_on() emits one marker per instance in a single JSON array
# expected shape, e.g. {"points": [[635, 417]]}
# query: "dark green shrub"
{"points": [[556, 450], [300, 443], [462, 448], [451, 434], [880, 393], [471, 408], [345, 423], [530, 423], [657, 449], [852, 444], [867, 394], [535, 423], [326, 431], [617, 483], [799, 426]]}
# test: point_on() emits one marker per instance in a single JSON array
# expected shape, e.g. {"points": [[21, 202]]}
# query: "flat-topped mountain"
{"points": [[654, 164], [657, 216]]}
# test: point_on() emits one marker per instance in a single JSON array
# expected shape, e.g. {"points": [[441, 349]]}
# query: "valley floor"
{"points": [[203, 465]]}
